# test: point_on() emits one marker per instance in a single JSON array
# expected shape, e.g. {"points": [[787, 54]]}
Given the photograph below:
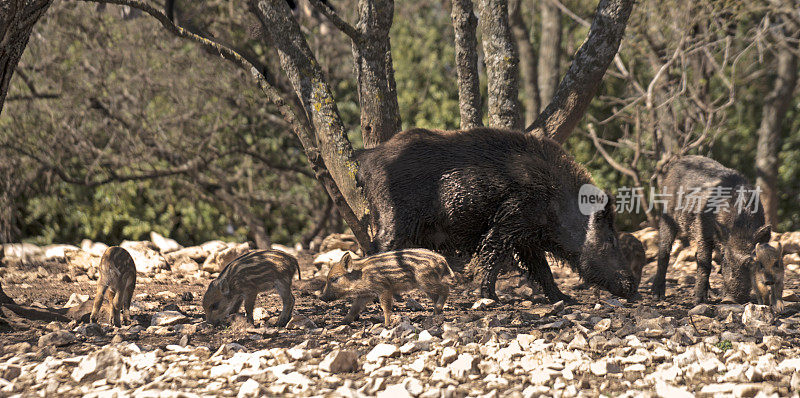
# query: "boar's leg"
{"points": [[358, 305], [387, 301], [667, 230], [705, 249], [492, 257], [538, 270], [285, 291]]}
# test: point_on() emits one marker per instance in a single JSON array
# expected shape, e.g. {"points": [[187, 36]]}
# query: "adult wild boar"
{"points": [[497, 194], [713, 206]]}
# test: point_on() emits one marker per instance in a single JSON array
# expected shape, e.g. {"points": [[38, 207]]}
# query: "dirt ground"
{"points": [[520, 312], [518, 303]]}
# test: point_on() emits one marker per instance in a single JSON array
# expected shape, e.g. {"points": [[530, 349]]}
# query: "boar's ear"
{"points": [[763, 234], [608, 211]]}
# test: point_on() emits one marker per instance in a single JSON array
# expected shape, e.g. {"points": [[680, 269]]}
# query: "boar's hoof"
{"points": [[659, 292], [634, 297], [490, 294], [567, 299]]}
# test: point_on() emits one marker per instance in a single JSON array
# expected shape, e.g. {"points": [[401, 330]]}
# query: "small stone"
{"points": [[394, 391], [603, 367], [449, 354], [340, 361], [773, 343], [578, 342], [465, 365], [483, 304], [750, 390], [11, 372], [167, 318], [249, 388], [603, 325], [702, 309], [382, 350], [300, 321], [414, 386], [558, 307], [669, 391], [757, 315], [414, 305], [57, 339]]}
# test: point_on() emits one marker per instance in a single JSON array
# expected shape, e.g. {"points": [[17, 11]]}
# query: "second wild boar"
{"points": [[704, 203]]}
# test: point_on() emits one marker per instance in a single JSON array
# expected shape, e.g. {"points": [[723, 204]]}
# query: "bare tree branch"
{"points": [[584, 76]]}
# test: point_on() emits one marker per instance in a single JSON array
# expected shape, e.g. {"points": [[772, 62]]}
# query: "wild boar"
{"points": [[705, 202], [633, 254], [497, 194], [116, 282], [768, 275], [244, 278], [384, 275]]}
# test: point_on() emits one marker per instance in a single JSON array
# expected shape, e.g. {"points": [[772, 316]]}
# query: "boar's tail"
{"points": [[297, 266]]}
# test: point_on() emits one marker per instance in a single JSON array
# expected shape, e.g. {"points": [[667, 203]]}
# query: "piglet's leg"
{"points": [[119, 299], [98, 301], [387, 300], [285, 291], [358, 305], [249, 305]]}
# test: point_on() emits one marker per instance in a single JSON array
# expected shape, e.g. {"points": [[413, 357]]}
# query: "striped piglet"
{"points": [[386, 274], [244, 278]]}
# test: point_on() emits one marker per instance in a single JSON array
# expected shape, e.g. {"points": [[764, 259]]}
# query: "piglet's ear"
{"points": [[763, 234], [346, 261]]}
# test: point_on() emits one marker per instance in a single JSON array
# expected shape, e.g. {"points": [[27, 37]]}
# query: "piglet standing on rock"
{"points": [[768, 276], [713, 206], [386, 274], [244, 278], [117, 281]]}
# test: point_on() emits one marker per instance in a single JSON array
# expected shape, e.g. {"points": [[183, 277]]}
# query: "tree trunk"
{"points": [[17, 18], [527, 61], [501, 65], [769, 132], [308, 80], [380, 118], [584, 76], [549, 50], [469, 89]]}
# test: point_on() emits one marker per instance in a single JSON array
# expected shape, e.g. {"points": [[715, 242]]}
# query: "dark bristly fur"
{"points": [[768, 275], [247, 276], [386, 274], [116, 282], [495, 193], [737, 233]]}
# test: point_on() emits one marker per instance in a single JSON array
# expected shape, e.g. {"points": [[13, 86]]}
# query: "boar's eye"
{"points": [[214, 306]]}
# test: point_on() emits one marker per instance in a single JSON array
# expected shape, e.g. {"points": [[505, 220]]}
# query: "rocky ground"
{"points": [[522, 346]]}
